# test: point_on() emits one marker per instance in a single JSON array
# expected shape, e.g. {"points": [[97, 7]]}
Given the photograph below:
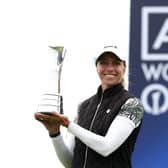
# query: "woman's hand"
{"points": [[52, 121]]}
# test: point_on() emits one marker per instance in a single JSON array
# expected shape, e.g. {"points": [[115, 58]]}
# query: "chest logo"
{"points": [[108, 111]]}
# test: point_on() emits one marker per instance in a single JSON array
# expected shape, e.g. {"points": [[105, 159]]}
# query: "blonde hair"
{"points": [[123, 81]]}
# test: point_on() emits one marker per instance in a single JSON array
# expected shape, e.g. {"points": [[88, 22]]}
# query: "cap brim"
{"points": [[108, 53], [113, 50]]}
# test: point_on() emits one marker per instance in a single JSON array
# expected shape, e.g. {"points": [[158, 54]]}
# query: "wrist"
{"points": [[66, 122], [52, 135]]}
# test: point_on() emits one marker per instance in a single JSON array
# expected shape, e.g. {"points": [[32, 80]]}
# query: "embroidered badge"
{"points": [[108, 111]]}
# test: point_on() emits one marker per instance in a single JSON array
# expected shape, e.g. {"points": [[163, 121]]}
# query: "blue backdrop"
{"points": [[148, 76]]}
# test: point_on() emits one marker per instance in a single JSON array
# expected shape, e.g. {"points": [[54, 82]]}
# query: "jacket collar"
{"points": [[110, 91]]}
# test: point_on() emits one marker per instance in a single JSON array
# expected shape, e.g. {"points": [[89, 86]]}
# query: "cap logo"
{"points": [[110, 47]]}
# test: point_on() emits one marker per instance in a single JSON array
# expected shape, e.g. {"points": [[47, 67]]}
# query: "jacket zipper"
{"points": [[90, 128]]}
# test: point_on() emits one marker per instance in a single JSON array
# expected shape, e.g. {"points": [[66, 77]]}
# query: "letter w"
{"points": [[152, 71]]}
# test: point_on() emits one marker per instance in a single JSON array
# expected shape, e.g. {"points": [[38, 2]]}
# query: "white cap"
{"points": [[113, 49]]}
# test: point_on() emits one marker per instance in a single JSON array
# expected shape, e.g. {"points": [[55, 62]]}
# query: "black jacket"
{"points": [[93, 117]]}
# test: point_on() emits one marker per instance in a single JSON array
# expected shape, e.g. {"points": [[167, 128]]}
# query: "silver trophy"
{"points": [[53, 100]]}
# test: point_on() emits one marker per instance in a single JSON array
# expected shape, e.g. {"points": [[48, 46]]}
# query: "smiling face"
{"points": [[110, 70]]}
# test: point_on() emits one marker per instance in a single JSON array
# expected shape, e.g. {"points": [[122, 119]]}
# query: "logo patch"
{"points": [[154, 43], [108, 111]]}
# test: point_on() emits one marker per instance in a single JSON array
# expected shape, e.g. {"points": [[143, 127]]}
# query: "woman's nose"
{"points": [[110, 66]]}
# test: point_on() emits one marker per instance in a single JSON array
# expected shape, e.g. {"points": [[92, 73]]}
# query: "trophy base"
{"points": [[51, 103]]}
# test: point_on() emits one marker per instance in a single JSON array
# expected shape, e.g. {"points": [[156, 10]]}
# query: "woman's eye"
{"points": [[117, 63], [112, 63], [104, 62]]}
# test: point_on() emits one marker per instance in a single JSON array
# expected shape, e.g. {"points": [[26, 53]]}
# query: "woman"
{"points": [[107, 124]]}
